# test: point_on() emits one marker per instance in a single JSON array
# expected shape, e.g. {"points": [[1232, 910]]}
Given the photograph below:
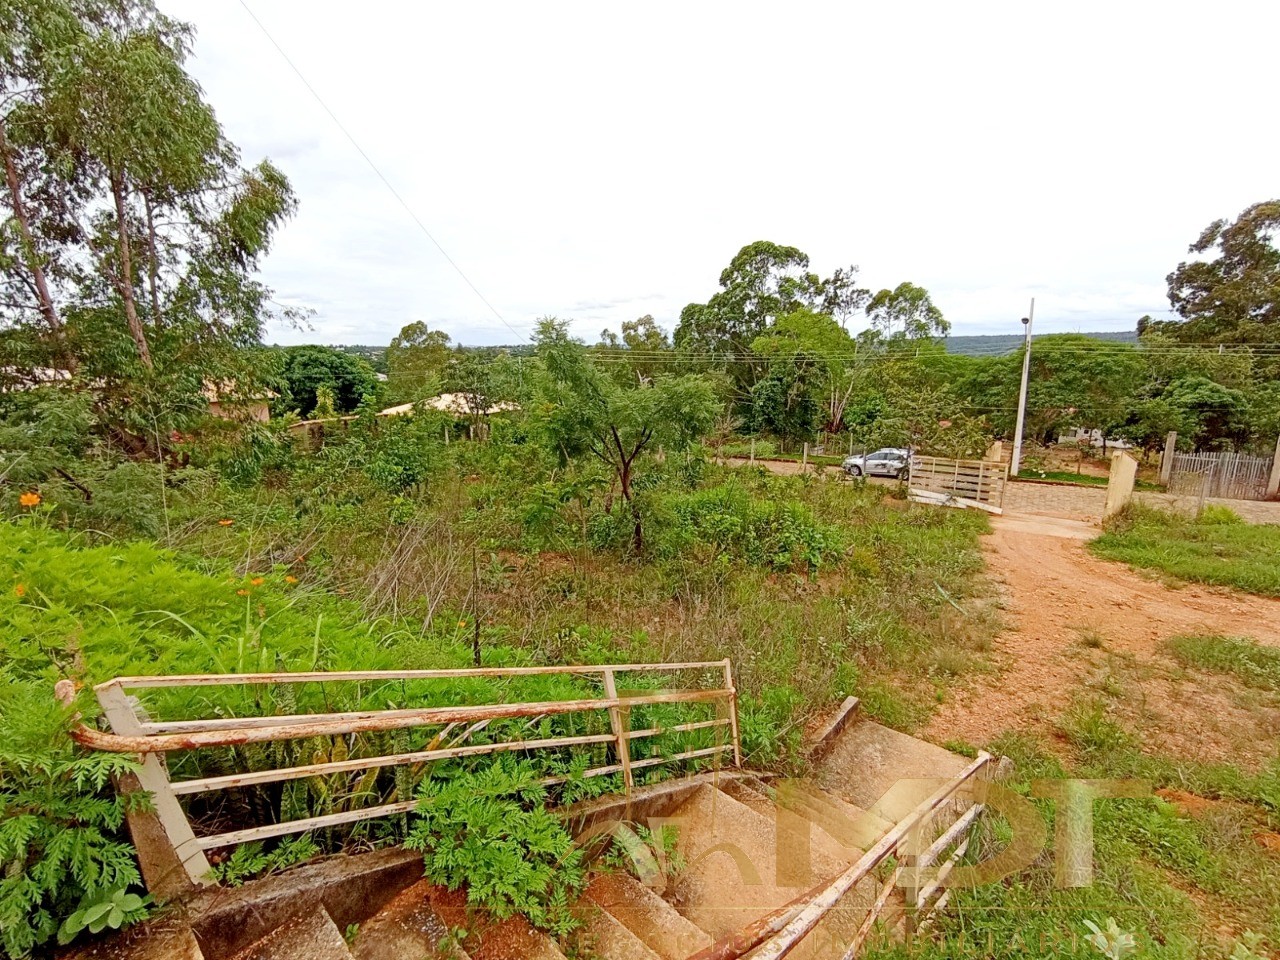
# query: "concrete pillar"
{"points": [[1273, 482], [1166, 458], [1124, 470], [995, 452]]}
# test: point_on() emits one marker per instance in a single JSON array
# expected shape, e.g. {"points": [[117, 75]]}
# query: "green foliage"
{"points": [[1233, 554], [490, 832], [308, 370], [251, 860], [63, 864], [1256, 665], [773, 533]]}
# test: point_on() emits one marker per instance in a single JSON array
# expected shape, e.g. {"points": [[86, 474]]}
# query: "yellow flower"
{"points": [[255, 582], [242, 593], [30, 499], [225, 523], [20, 590], [290, 579], [462, 623]]}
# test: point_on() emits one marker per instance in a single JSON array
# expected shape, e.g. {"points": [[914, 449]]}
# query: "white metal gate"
{"points": [[964, 483], [1232, 476]]}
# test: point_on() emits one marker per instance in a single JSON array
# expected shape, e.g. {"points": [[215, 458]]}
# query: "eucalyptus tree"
{"points": [[135, 232]]}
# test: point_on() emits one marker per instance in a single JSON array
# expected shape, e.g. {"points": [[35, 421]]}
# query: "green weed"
{"points": [[1255, 665]]}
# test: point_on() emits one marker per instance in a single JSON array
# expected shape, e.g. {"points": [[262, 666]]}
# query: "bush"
{"points": [[490, 831], [63, 861]]}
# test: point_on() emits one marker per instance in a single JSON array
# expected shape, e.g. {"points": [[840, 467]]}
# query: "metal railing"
{"points": [[936, 833], [133, 731]]}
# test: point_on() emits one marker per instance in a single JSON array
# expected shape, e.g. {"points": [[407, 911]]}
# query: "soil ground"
{"points": [[1078, 625]]}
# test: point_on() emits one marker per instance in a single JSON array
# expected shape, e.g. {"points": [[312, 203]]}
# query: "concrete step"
{"points": [[848, 827], [311, 935], [736, 870], [605, 937], [164, 938], [513, 939], [410, 926], [868, 760], [647, 915]]}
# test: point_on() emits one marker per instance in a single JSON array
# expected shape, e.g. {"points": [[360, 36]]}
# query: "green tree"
{"points": [[641, 353], [134, 235], [906, 312], [308, 370], [416, 358], [1235, 296], [826, 362], [1216, 416], [587, 413]]}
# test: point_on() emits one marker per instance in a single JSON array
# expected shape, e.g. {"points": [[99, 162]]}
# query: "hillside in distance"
{"points": [[995, 344]]}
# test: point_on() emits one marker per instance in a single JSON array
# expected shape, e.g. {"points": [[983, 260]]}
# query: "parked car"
{"points": [[888, 462]]}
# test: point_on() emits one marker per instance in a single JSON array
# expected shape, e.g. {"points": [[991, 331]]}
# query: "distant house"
{"points": [[1093, 438], [454, 403], [224, 403]]}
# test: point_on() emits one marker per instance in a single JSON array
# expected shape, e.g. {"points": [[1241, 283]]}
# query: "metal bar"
{"points": [[733, 714], [234, 780], [949, 837], [677, 728], [620, 726], [864, 929], [933, 886], [378, 720], [808, 917], [639, 764], [302, 826], [230, 679]]}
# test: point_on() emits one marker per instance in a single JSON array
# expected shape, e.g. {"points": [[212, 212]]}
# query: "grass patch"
{"points": [[1217, 548], [1078, 479], [1253, 664]]}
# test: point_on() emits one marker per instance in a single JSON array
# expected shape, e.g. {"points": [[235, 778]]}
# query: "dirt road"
{"points": [[1077, 625]]}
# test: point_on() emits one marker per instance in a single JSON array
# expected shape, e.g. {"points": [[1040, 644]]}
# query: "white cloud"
{"points": [[598, 162]]}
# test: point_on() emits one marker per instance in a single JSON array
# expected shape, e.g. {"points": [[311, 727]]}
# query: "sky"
{"points": [[597, 162]]}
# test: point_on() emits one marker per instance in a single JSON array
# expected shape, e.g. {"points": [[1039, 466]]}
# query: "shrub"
{"points": [[490, 831], [63, 862]]}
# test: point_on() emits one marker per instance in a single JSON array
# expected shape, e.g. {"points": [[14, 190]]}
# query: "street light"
{"points": [[1022, 393]]}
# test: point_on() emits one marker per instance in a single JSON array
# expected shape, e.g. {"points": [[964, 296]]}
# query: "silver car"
{"points": [[888, 462]]}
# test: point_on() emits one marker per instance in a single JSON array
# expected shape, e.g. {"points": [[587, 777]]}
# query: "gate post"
{"points": [[1166, 459], [1273, 482], [171, 859], [1124, 470]]}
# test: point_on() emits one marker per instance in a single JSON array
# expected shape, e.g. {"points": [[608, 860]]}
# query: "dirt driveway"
{"points": [[1077, 625]]}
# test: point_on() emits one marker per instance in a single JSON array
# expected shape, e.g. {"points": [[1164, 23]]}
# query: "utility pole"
{"points": [[1022, 393]]}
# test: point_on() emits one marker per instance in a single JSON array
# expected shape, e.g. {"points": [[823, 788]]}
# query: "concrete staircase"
{"points": [[749, 847]]}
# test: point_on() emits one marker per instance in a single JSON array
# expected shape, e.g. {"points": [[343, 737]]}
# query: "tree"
{"points": [[416, 358], [1216, 416], [643, 350], [906, 312], [587, 413], [309, 370], [134, 235], [1234, 297], [827, 360]]}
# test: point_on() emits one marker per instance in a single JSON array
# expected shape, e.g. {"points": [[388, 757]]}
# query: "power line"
{"points": [[374, 167]]}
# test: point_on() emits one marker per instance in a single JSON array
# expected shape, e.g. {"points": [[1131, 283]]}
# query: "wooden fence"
{"points": [[967, 483], [133, 731], [1232, 476]]}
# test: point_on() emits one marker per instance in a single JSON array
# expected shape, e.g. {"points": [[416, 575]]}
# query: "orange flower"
{"points": [[30, 499], [462, 623], [20, 590], [225, 523], [242, 593], [290, 579], [255, 582]]}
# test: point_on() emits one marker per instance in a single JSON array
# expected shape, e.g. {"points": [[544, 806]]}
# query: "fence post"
{"points": [[1166, 458], [621, 727], [804, 457], [733, 712], [753, 450], [171, 859], [1273, 482]]}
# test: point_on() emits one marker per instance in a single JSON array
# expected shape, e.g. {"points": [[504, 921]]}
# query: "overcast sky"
{"points": [[599, 161]]}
